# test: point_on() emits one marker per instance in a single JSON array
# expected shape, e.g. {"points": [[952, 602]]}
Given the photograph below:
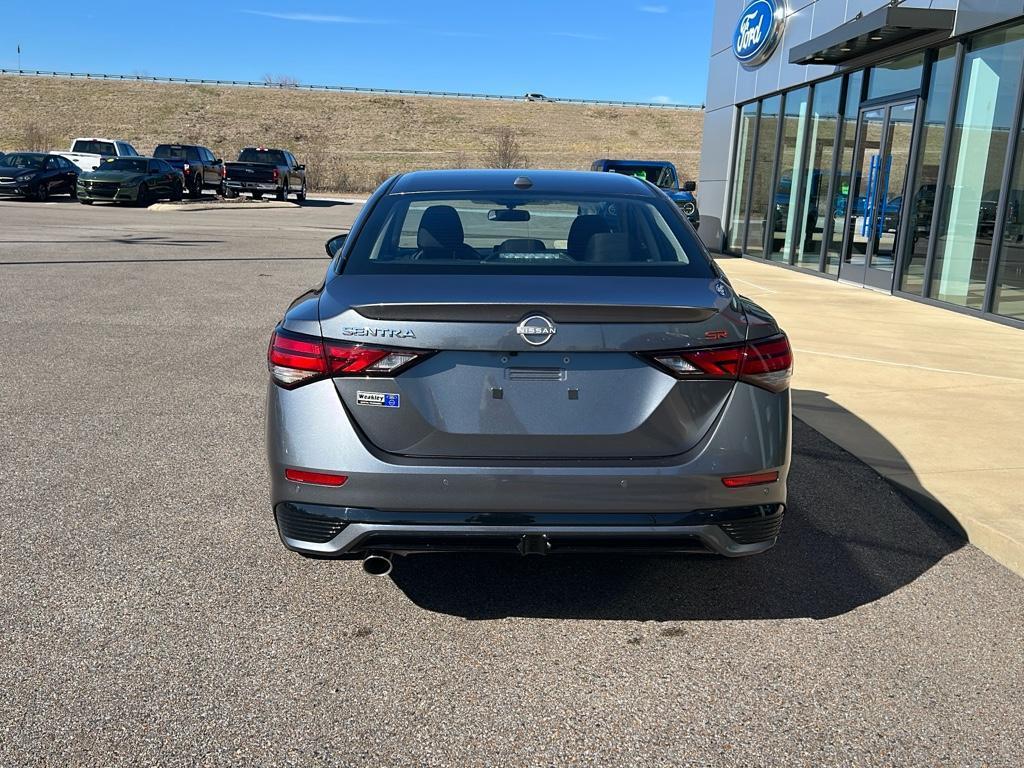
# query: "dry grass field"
{"points": [[349, 141]]}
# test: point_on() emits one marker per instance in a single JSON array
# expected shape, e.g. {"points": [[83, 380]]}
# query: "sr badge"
{"points": [[378, 399]]}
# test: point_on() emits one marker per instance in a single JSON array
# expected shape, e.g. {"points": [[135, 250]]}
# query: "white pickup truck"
{"points": [[88, 153]]}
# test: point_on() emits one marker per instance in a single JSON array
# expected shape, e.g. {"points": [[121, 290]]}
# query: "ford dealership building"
{"points": [[876, 145]]}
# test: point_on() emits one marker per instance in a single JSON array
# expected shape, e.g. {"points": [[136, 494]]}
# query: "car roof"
{"points": [[16, 152], [183, 146], [544, 181]]}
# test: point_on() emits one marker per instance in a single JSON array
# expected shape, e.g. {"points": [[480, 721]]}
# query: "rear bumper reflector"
{"points": [[315, 478], [742, 481]]}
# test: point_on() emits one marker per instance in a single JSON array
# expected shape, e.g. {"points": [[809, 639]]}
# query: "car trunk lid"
{"points": [[547, 368]]}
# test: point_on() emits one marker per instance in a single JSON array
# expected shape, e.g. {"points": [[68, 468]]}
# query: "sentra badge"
{"points": [[379, 333]]}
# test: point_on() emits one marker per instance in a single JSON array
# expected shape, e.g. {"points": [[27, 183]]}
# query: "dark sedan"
{"points": [[36, 175]]}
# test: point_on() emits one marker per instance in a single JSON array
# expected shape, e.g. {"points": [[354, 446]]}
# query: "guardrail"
{"points": [[342, 88]]}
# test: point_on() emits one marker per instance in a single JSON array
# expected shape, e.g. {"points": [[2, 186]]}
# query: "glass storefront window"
{"points": [[897, 76], [841, 196], [784, 203], [1008, 299], [817, 172], [764, 169], [926, 176], [988, 95], [741, 174]]}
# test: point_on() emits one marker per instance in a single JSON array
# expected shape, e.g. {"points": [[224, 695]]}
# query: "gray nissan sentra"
{"points": [[526, 362]]}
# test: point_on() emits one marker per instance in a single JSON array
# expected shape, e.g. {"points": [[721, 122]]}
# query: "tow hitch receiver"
{"points": [[534, 544]]}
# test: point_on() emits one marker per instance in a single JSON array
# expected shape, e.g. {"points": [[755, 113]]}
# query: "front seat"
{"points": [[583, 228], [440, 235]]}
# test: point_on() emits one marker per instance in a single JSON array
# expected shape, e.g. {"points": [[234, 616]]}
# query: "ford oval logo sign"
{"points": [[758, 32]]}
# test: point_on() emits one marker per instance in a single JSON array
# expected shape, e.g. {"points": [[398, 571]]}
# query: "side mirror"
{"points": [[689, 186], [335, 244], [300, 167]]}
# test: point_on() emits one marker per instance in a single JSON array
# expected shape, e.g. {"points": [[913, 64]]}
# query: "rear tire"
{"points": [[176, 194], [229, 193], [257, 195], [282, 193], [196, 190]]}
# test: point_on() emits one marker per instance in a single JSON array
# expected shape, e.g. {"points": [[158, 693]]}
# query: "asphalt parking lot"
{"points": [[150, 616]]}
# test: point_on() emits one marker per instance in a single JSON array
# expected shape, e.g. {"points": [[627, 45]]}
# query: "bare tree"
{"points": [[505, 151], [282, 81], [36, 138]]}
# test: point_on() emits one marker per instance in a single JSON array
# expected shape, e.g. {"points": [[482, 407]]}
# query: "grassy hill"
{"points": [[349, 141]]}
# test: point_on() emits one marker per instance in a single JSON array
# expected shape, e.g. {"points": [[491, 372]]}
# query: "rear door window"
{"points": [[93, 147], [271, 156]]}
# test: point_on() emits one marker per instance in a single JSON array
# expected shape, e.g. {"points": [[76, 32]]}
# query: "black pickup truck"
{"points": [[201, 169], [261, 171]]}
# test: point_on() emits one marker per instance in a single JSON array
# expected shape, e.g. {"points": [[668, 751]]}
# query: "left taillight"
{"points": [[766, 363], [295, 359]]}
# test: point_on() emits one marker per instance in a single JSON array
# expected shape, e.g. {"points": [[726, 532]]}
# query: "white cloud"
{"points": [[315, 18], [654, 8], [578, 35], [662, 99]]}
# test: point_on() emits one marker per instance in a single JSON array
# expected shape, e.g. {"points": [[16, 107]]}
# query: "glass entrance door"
{"points": [[881, 164]]}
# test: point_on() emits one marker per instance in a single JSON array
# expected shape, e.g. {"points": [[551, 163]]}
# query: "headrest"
{"points": [[608, 246], [583, 227], [440, 228]]}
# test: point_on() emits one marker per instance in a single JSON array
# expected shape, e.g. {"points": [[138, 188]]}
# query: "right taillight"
{"points": [[766, 363], [296, 358]]}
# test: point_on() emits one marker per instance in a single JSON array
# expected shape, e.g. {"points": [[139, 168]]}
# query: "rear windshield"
{"points": [[124, 164], [91, 147], [526, 233], [659, 175], [169, 152], [272, 156]]}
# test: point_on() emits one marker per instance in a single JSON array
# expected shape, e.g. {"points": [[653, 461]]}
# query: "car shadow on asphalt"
{"points": [[312, 202], [849, 539]]}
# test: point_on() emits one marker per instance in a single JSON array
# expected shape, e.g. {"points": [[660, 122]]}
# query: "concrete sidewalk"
{"points": [[931, 399]]}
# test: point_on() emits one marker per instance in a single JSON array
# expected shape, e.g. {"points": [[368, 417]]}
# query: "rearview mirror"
{"points": [[508, 214], [689, 186], [335, 244]]}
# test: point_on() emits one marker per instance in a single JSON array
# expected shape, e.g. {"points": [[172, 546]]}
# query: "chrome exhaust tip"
{"points": [[377, 564]]}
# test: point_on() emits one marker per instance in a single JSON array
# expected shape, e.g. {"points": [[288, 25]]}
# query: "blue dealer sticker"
{"points": [[378, 399]]}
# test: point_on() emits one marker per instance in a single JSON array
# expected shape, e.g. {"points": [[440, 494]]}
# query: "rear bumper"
{"points": [[328, 531], [630, 504], [251, 186]]}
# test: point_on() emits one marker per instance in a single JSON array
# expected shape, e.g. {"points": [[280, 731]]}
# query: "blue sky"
{"points": [[647, 50]]}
